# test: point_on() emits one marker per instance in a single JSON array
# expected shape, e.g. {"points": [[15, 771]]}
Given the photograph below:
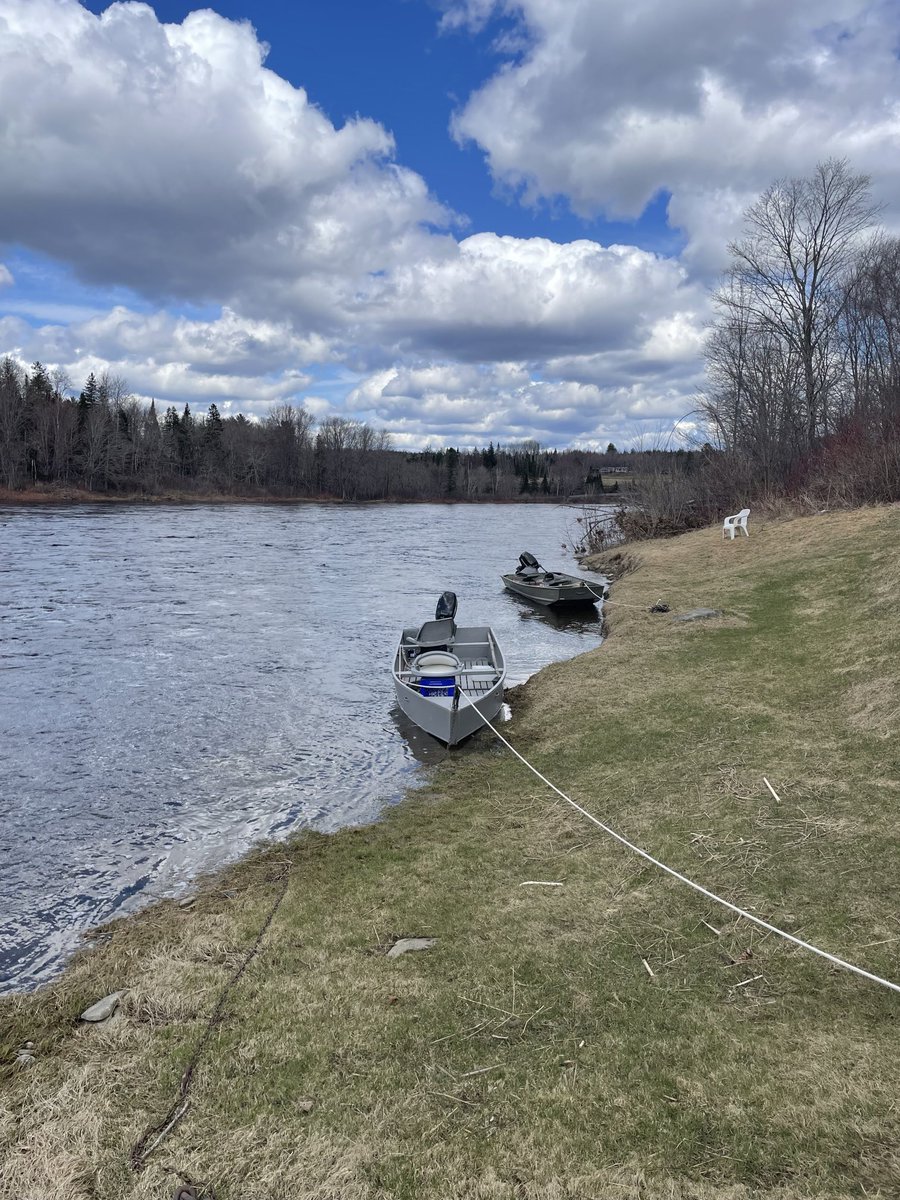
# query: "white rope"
{"points": [[677, 874], [621, 603]]}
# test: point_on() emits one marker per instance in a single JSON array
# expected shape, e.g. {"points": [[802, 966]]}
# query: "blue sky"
{"points": [[478, 220]]}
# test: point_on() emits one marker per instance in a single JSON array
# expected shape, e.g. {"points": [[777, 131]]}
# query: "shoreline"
{"points": [[601, 1038], [71, 496]]}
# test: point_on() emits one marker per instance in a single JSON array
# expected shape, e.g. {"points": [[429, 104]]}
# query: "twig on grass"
{"points": [[470, 1034], [744, 982], [533, 1015], [457, 1099], [485, 1004]]}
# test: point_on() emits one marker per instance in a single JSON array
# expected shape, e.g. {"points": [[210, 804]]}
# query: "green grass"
{"points": [[722, 1075]]}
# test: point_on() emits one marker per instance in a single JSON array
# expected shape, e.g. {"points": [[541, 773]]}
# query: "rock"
{"points": [[25, 1058], [187, 902], [103, 1009], [405, 944], [698, 614], [28, 1045], [305, 1105]]}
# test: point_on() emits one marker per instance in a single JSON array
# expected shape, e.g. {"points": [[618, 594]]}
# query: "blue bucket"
{"points": [[437, 686]]}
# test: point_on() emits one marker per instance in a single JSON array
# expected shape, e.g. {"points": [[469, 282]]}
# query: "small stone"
{"points": [[406, 944], [698, 614], [25, 1058], [305, 1105], [229, 892], [187, 902], [28, 1045], [103, 1009]]}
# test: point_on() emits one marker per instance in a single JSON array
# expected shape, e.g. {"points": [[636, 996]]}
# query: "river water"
{"points": [[179, 682]]}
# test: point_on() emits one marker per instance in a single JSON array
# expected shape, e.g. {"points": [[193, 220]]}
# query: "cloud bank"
{"points": [[167, 162], [608, 105]]}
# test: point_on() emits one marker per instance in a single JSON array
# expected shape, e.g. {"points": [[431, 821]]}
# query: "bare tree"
{"points": [[801, 237]]}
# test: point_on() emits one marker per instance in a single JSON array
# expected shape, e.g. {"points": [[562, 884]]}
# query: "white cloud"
{"points": [[168, 158], [231, 343], [175, 163], [610, 104], [246, 365], [503, 298], [472, 405]]}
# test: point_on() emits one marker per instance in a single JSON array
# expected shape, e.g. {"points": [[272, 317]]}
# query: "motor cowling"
{"points": [[446, 607], [527, 562]]}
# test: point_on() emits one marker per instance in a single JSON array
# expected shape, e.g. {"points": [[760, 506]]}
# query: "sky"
{"points": [[462, 221]]}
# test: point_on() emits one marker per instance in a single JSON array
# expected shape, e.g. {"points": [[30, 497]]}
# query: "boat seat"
{"points": [[436, 635]]}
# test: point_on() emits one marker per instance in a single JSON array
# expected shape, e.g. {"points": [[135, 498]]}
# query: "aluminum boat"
{"points": [[535, 583], [448, 677]]}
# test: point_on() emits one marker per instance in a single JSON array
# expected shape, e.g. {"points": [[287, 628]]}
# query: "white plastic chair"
{"points": [[738, 521]]}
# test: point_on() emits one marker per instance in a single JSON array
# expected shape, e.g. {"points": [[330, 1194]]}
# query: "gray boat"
{"points": [[448, 677], [551, 587]]}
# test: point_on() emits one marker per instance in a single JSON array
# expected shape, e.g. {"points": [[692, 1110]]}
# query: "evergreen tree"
{"points": [[186, 441], [452, 464], [213, 426], [88, 399], [212, 441], [90, 393]]}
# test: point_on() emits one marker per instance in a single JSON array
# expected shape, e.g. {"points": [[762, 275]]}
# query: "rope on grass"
{"points": [[742, 912], [156, 1134], [657, 607]]}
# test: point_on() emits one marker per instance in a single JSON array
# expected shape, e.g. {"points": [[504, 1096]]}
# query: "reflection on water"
{"points": [[422, 746], [576, 618], [180, 682]]}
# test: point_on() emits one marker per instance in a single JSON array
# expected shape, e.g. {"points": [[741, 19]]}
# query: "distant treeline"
{"points": [[105, 441]]}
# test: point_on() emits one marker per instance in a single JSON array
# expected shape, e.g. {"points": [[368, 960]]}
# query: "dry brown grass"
{"points": [[532, 1054]]}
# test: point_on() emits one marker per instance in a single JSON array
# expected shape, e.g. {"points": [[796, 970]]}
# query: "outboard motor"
{"points": [[446, 607], [528, 564]]}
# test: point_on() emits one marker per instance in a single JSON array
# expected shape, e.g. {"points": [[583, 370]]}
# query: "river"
{"points": [[180, 682]]}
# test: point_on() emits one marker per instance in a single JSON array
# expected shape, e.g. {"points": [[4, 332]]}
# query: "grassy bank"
{"points": [[616, 1037]]}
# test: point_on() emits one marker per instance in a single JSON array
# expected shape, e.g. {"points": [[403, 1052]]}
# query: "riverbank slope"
{"points": [[616, 1036]]}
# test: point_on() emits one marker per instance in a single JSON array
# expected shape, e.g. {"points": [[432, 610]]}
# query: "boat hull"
{"points": [[475, 695], [568, 590]]}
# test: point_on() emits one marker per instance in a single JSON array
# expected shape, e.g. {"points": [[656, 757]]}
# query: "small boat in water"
{"points": [[551, 587], [448, 677]]}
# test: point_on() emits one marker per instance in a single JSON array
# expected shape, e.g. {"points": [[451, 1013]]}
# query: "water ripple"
{"points": [[180, 682]]}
